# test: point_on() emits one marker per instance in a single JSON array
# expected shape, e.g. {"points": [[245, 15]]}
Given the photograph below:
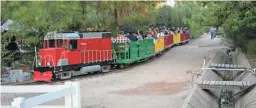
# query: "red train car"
{"points": [[183, 37], [67, 54], [168, 41], [187, 36]]}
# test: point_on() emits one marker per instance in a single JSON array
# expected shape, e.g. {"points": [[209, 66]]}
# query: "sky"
{"points": [[170, 2]]}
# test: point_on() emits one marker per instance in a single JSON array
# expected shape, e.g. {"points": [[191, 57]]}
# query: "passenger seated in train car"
{"points": [[174, 29], [150, 31], [154, 34], [132, 37], [185, 30], [162, 34], [140, 33], [166, 31], [177, 30], [139, 36], [154, 37], [150, 36], [181, 30], [172, 32], [127, 34], [113, 39], [122, 38]]}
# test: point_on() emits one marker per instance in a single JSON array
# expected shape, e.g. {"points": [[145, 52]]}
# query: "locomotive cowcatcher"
{"points": [[67, 54]]}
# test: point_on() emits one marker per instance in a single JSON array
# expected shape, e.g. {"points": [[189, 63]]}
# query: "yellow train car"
{"points": [[159, 45], [176, 38]]}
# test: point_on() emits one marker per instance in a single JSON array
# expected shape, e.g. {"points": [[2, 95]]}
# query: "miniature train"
{"points": [[68, 54]]}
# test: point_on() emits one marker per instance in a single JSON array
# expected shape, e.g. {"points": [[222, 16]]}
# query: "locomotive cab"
{"points": [[54, 54], [56, 46]]}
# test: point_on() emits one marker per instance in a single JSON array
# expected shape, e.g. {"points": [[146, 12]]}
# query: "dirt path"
{"points": [[159, 83]]}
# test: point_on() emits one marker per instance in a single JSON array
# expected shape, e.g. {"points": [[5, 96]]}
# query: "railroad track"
{"points": [[86, 76], [76, 78]]}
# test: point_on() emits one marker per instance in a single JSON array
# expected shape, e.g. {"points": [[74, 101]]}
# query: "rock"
{"points": [[16, 76]]}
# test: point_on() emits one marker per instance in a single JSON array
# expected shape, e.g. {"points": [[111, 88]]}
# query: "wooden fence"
{"points": [[70, 90]]}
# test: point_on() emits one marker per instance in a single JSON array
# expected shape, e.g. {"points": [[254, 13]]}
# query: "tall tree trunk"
{"points": [[83, 3], [116, 25], [116, 15]]}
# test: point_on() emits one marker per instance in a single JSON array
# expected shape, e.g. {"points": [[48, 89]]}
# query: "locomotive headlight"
{"points": [[39, 63], [48, 64]]}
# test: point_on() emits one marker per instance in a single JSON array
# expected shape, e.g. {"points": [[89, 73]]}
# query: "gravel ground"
{"points": [[158, 83]]}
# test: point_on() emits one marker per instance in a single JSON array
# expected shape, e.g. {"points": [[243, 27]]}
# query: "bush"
{"points": [[134, 23]]}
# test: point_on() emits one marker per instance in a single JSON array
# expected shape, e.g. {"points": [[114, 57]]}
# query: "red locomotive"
{"points": [[81, 52]]}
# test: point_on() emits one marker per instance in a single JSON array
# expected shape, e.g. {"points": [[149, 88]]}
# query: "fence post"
{"points": [[68, 98], [17, 102], [76, 98]]}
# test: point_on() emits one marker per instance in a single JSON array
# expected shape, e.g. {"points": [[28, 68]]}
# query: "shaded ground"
{"points": [[158, 83]]}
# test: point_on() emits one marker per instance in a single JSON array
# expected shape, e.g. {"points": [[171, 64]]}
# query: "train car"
{"points": [[67, 54], [187, 36], [150, 47], [184, 38], [159, 45], [176, 38], [168, 41], [127, 53]]}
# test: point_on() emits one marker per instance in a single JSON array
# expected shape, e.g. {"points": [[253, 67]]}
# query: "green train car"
{"points": [[126, 54]]}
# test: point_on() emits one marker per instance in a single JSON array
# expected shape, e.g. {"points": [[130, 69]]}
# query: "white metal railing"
{"points": [[45, 57], [50, 56], [71, 92], [90, 56]]}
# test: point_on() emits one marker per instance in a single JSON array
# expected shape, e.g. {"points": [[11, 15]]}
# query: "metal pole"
{"points": [[191, 87], [204, 63], [202, 70]]}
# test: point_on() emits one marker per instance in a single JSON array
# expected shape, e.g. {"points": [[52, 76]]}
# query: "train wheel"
{"points": [[122, 66]]}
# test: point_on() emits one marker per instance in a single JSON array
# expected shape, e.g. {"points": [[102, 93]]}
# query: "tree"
{"points": [[33, 19]]}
